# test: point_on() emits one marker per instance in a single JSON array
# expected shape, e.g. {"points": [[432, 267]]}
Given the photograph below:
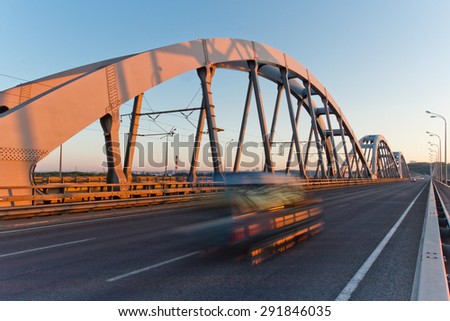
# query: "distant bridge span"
{"points": [[38, 116], [382, 160]]}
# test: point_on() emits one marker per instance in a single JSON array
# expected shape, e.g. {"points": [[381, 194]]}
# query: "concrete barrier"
{"points": [[431, 278]]}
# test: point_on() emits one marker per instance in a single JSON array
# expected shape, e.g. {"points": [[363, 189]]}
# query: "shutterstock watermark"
{"points": [[155, 153]]}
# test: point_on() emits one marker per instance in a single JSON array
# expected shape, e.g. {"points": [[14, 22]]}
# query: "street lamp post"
{"points": [[166, 158], [431, 164], [436, 160], [166, 151], [225, 155], [440, 153], [434, 115], [438, 157]]}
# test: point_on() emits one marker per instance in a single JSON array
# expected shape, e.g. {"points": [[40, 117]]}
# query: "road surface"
{"points": [[134, 254]]}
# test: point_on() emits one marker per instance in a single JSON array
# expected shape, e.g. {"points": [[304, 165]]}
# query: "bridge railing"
{"points": [[48, 199], [87, 192]]}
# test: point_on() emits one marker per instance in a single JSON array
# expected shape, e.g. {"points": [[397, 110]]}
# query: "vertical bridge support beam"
{"points": [[192, 177], [302, 166], [294, 121], [131, 143], [308, 146], [275, 113], [248, 100], [312, 108], [333, 164], [344, 144], [205, 74], [110, 124], [275, 117], [261, 115]]}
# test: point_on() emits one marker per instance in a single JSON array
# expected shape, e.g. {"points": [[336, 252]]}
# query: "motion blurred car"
{"points": [[259, 214]]}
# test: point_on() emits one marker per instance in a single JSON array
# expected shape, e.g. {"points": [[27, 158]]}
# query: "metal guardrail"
{"points": [[441, 188], [443, 193], [49, 199], [431, 282], [64, 208], [12, 196]]}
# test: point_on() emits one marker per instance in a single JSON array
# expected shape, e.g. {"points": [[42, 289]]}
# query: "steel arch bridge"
{"points": [[38, 116], [402, 165], [381, 159]]}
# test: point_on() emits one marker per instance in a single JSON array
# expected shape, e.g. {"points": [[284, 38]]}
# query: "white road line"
{"points": [[87, 221], [152, 267], [46, 247], [359, 276]]}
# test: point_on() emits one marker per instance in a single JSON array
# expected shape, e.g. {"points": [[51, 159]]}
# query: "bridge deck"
{"points": [[111, 256]]}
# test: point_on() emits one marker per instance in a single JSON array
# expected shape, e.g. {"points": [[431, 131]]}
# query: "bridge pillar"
{"points": [[16, 179], [205, 74], [131, 144], [110, 124]]}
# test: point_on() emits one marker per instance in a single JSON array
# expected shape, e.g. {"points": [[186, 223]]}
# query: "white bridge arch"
{"points": [[38, 116]]}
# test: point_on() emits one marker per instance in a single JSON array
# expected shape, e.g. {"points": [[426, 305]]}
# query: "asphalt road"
{"points": [[134, 254]]}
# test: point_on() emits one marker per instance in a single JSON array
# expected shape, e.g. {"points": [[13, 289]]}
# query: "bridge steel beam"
{"points": [[402, 165], [308, 146], [206, 74], [346, 166], [315, 130], [334, 155], [192, 176], [38, 116], [261, 116], [110, 124], [248, 100], [359, 169], [294, 122], [131, 139], [280, 89], [301, 164], [381, 159]]}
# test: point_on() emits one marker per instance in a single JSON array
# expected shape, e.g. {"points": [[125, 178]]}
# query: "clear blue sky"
{"points": [[385, 62]]}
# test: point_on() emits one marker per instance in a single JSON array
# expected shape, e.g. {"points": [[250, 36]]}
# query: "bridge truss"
{"points": [[381, 159], [38, 116]]}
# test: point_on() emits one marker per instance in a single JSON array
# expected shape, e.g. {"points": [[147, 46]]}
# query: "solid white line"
{"points": [[46, 247], [87, 221], [359, 276], [152, 266]]}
